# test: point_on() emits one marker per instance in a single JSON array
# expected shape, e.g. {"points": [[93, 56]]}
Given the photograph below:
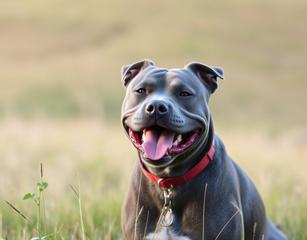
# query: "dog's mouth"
{"points": [[156, 143]]}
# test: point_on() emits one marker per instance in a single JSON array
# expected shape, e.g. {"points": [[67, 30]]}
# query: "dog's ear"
{"points": [[207, 74], [130, 71]]}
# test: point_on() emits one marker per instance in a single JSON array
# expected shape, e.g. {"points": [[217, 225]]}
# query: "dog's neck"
{"points": [[180, 167]]}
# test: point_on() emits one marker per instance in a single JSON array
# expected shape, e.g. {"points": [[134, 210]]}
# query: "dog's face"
{"points": [[165, 112]]}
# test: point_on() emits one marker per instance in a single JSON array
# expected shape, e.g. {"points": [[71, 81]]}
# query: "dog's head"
{"points": [[165, 111]]}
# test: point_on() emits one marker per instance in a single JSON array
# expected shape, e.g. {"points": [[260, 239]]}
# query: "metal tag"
{"points": [[167, 217]]}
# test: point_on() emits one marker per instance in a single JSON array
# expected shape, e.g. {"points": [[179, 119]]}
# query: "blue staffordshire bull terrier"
{"points": [[184, 186]]}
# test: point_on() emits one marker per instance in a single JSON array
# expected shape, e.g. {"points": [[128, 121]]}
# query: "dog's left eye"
{"points": [[140, 90], [184, 94]]}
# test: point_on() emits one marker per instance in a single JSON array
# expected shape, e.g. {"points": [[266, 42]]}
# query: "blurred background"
{"points": [[60, 97]]}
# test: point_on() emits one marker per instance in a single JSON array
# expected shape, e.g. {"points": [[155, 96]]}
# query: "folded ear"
{"points": [[130, 71], [208, 74]]}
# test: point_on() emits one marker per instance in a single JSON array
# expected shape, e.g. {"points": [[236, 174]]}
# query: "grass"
{"points": [[103, 172], [60, 98], [77, 193], [38, 228]]}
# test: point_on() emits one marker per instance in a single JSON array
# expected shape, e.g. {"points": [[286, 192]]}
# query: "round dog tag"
{"points": [[167, 217]]}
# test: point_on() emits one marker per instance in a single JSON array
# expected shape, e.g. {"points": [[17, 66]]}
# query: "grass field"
{"points": [[60, 98]]}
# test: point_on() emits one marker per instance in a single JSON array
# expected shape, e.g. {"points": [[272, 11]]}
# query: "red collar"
{"points": [[173, 181]]}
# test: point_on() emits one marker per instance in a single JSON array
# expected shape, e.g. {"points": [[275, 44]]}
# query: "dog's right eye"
{"points": [[184, 94], [140, 90]]}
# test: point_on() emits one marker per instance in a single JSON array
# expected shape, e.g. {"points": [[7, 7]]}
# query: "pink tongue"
{"points": [[155, 144]]}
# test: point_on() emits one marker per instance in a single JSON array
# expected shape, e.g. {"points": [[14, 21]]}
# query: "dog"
{"points": [[184, 185]]}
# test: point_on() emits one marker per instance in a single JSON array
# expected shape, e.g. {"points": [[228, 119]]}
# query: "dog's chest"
{"points": [[165, 234]]}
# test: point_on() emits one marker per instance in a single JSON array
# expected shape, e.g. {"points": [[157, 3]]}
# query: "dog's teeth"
{"points": [[143, 135], [178, 140]]}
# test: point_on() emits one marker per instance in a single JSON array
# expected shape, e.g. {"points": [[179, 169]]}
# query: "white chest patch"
{"points": [[165, 234]]}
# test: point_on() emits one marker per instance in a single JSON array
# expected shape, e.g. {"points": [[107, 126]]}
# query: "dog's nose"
{"points": [[156, 107]]}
